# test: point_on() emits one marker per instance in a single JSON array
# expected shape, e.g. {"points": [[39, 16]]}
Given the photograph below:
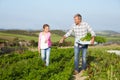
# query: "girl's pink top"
{"points": [[47, 35]]}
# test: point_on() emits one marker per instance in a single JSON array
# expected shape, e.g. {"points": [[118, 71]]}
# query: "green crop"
{"points": [[86, 38], [101, 65], [98, 39]]}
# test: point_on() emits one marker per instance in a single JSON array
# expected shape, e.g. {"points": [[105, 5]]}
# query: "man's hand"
{"points": [[62, 39], [92, 40]]}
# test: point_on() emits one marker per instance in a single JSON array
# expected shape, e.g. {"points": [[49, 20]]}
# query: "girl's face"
{"points": [[46, 29]]}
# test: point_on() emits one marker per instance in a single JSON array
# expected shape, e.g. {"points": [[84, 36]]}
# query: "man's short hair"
{"points": [[78, 15]]}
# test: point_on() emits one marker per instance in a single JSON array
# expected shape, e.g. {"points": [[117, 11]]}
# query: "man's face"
{"points": [[77, 20]]}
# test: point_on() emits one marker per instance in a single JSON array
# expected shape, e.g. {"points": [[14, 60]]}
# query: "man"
{"points": [[80, 30]]}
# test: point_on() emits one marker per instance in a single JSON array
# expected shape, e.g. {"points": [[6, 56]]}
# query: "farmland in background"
{"points": [[26, 64]]}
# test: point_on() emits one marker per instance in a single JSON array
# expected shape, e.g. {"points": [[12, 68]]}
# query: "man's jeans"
{"points": [[45, 55], [77, 50]]}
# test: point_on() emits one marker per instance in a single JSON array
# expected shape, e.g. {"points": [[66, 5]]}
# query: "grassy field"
{"points": [[55, 37], [9, 36], [101, 65], [12, 36], [113, 38]]}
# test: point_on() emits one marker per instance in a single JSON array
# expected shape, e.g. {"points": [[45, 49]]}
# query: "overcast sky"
{"points": [[32, 14]]}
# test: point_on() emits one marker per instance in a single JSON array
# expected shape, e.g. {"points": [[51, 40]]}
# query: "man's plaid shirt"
{"points": [[80, 31]]}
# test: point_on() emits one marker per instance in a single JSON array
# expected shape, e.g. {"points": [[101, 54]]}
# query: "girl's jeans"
{"points": [[45, 55]]}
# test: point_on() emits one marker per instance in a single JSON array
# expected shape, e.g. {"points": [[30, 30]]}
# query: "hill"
{"points": [[56, 35], [31, 35], [109, 35], [107, 32]]}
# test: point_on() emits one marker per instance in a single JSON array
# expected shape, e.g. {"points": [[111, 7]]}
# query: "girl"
{"points": [[44, 44]]}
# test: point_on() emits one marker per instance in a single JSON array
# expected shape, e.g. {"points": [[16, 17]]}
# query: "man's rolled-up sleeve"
{"points": [[90, 30], [69, 32]]}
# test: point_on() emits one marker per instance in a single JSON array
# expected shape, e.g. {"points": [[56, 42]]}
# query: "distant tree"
{"points": [[15, 41], [68, 43], [100, 39], [33, 43]]}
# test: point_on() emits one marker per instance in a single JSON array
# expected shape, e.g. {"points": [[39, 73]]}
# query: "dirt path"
{"points": [[117, 52], [79, 77]]}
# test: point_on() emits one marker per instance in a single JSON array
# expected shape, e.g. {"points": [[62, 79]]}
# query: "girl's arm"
{"points": [[48, 36], [39, 43]]}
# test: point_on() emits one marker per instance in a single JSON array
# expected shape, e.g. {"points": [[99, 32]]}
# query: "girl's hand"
{"points": [[38, 51], [45, 41]]}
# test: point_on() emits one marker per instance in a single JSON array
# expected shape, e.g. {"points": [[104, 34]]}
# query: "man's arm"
{"points": [[92, 33], [92, 39], [62, 39], [66, 35]]}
